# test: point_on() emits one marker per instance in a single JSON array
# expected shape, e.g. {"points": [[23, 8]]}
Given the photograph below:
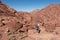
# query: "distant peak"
{"points": [[52, 5], [0, 2]]}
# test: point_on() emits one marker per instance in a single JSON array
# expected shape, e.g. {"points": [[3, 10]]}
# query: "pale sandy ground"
{"points": [[43, 35]]}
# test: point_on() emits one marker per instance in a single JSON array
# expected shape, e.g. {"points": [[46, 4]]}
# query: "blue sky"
{"points": [[29, 5]]}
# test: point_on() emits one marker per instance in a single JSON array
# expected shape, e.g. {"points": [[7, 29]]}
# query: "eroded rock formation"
{"points": [[37, 25]]}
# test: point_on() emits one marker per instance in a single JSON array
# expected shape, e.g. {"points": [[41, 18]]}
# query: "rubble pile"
{"points": [[36, 25]]}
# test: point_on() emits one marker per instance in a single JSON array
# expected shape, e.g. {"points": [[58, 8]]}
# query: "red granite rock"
{"points": [[36, 25], [49, 16]]}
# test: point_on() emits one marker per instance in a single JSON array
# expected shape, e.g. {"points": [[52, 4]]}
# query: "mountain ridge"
{"points": [[39, 24]]}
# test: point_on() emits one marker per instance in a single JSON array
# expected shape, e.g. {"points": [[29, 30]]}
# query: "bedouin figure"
{"points": [[37, 28]]}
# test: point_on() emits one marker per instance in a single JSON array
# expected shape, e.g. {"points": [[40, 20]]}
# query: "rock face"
{"points": [[49, 16], [5, 10], [14, 25], [36, 25]]}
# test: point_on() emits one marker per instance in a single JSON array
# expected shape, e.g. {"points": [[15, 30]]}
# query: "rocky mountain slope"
{"points": [[36, 25], [49, 16]]}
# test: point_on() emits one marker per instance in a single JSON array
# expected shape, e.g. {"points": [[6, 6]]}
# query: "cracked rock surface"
{"points": [[37, 25]]}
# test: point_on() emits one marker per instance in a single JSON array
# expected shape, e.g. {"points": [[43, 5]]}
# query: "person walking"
{"points": [[37, 28]]}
